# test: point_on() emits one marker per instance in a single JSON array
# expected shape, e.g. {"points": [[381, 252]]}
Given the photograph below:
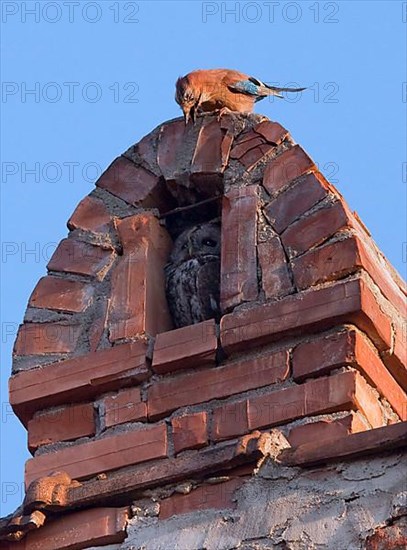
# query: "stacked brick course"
{"points": [[312, 337]]}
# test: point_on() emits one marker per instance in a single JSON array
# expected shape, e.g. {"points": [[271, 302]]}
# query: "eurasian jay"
{"points": [[221, 90]]}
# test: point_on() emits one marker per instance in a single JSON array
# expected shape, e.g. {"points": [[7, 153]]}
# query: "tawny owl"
{"points": [[193, 275]]}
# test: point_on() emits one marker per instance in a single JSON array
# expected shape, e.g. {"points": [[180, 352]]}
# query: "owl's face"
{"points": [[199, 240]]}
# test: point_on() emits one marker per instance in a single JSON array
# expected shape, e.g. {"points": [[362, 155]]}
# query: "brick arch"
{"points": [[285, 229], [304, 292]]}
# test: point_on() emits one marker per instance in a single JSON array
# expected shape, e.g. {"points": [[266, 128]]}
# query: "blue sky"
{"points": [[101, 75]]}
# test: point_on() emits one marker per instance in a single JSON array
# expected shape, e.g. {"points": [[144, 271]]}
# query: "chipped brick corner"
{"points": [[132, 422]]}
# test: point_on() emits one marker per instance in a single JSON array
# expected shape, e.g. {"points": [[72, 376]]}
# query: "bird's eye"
{"points": [[209, 242]]}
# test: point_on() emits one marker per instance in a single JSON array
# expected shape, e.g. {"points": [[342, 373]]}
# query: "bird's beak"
{"points": [[189, 113]]}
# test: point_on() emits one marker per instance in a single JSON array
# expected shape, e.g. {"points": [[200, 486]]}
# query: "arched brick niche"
{"points": [[311, 339]]}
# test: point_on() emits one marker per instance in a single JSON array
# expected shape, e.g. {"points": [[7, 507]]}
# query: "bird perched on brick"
{"points": [[221, 90]]}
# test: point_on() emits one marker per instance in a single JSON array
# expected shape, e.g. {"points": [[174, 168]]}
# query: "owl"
{"points": [[193, 275]]}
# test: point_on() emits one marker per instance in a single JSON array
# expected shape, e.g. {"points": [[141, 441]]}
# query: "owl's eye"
{"points": [[209, 242]]}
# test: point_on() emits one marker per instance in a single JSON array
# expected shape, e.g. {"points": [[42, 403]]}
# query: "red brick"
{"points": [[109, 453], [285, 168], [345, 448], [316, 228], [275, 276], [208, 156], [125, 406], [348, 347], [296, 200], [98, 326], [339, 392], [326, 429], [77, 379], [252, 157], [190, 465], [389, 537], [61, 294], [367, 401], [64, 424], [170, 145], [190, 431], [90, 215], [230, 420], [242, 147], [188, 389], [186, 347], [218, 496], [343, 302], [131, 183], [73, 256], [238, 254], [46, 338], [272, 131], [327, 263], [396, 361], [138, 305], [379, 269], [78, 530]]}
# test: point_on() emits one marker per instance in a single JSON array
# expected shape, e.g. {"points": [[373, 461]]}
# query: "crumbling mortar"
{"points": [[116, 207], [32, 362]]}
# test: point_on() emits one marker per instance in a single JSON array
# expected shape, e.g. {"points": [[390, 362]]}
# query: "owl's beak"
{"points": [[190, 251]]}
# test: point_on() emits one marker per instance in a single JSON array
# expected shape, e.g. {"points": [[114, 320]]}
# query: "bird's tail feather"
{"points": [[275, 90]]}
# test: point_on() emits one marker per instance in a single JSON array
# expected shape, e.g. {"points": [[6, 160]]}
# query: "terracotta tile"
{"points": [[103, 455], [275, 274], [61, 294], [77, 379], [218, 496], [46, 338], [64, 424], [238, 254], [288, 166], [189, 431], [316, 228], [296, 200], [125, 406], [169, 394], [186, 347], [73, 256], [345, 301], [90, 215]]}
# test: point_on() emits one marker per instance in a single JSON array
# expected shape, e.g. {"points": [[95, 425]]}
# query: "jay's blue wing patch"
{"points": [[246, 87]]}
